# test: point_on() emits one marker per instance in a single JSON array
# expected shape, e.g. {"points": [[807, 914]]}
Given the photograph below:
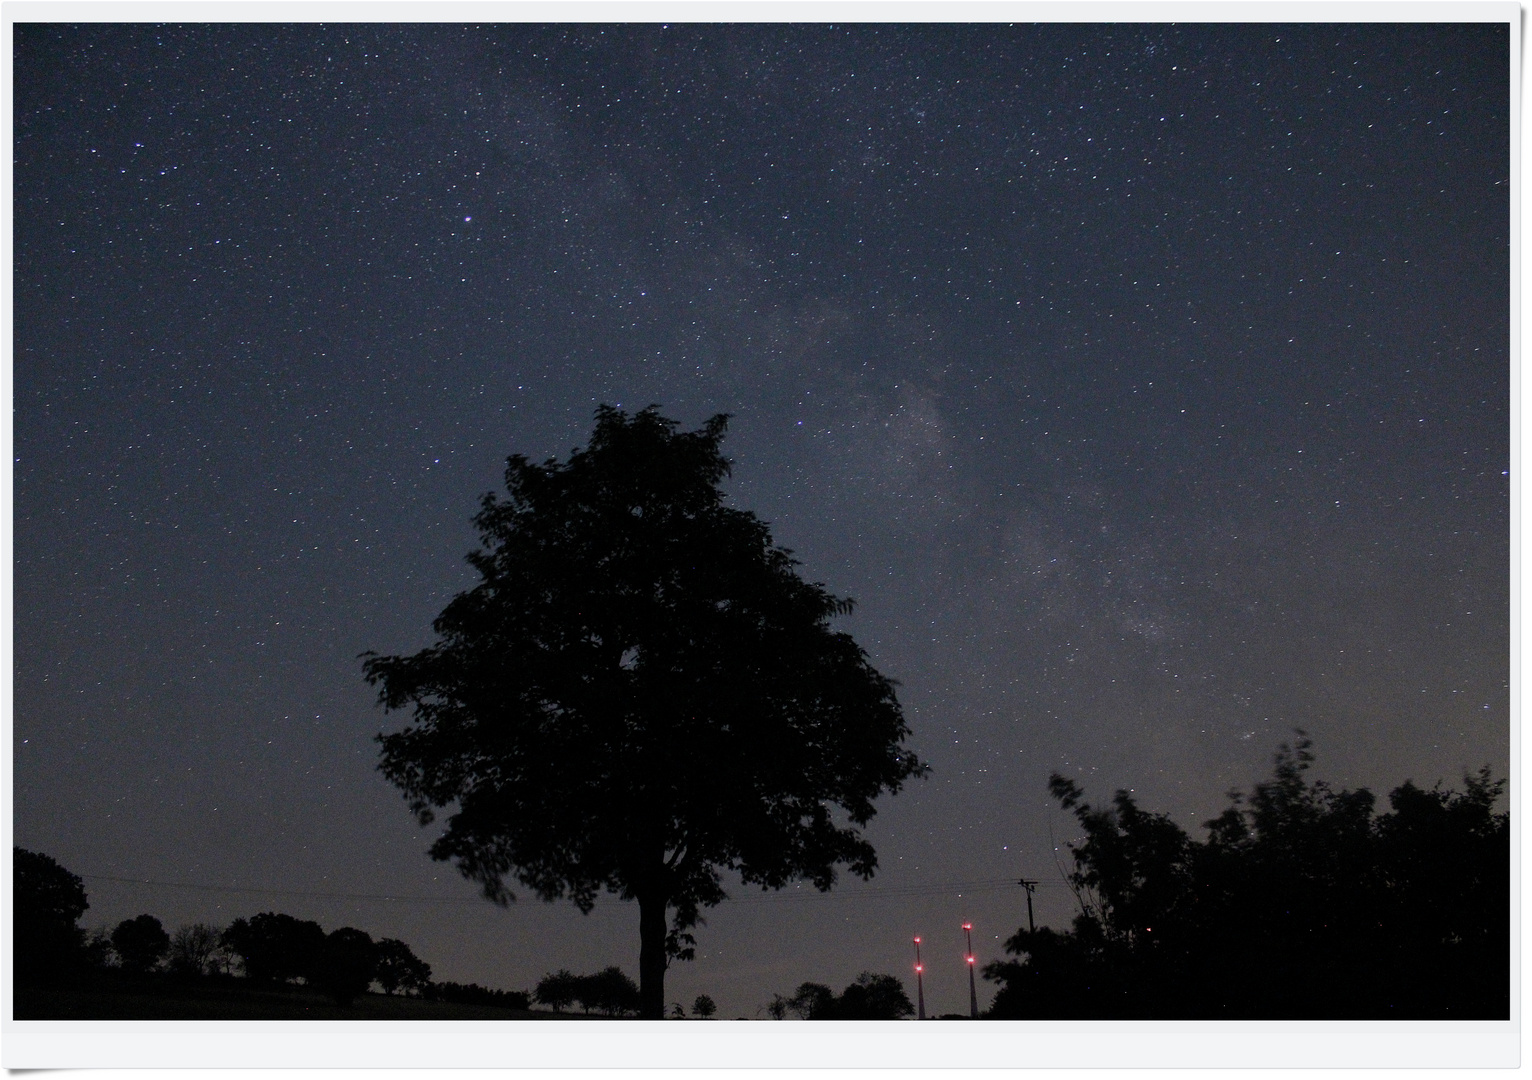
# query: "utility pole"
{"points": [[973, 994], [920, 988], [1029, 886]]}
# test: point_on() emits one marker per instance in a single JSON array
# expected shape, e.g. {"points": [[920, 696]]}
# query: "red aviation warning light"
{"points": [[973, 993], [920, 989]]}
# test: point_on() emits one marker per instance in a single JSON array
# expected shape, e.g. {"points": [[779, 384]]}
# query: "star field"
{"points": [[1147, 386]]}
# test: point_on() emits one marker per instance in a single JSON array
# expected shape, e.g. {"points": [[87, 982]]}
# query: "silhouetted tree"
{"points": [[812, 1001], [639, 692], [274, 947], [1446, 877], [704, 1007], [346, 964], [557, 991], [608, 991], [874, 997], [1301, 904], [870, 997], [97, 952], [193, 948], [48, 902], [140, 944], [397, 968]]}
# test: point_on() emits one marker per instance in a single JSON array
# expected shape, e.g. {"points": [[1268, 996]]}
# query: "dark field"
{"points": [[239, 1003]]}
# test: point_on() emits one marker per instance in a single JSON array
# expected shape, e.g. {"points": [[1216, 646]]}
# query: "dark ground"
{"points": [[172, 1002]]}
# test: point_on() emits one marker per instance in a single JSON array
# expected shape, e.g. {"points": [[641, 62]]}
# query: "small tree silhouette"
{"points": [[557, 991], [140, 944], [812, 1001], [874, 997], [346, 964], [703, 1007], [193, 948], [397, 968]]}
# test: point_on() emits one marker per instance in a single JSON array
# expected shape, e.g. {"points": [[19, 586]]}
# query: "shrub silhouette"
{"points": [[1302, 903]]}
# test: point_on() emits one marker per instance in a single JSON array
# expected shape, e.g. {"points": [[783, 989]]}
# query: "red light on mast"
{"points": [[920, 988], [973, 993]]}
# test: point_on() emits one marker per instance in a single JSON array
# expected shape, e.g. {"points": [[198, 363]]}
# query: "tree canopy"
{"points": [[608, 991], [194, 949], [557, 990], [346, 964], [275, 947], [398, 968], [870, 997], [48, 902], [640, 692], [1302, 903], [51, 952], [140, 943]]}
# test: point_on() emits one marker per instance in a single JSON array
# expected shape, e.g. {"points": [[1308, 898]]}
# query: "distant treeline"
{"points": [[474, 994], [269, 949], [608, 991], [870, 997], [1302, 903]]}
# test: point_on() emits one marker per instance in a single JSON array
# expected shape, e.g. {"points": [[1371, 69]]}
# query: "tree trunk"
{"points": [[652, 909]]}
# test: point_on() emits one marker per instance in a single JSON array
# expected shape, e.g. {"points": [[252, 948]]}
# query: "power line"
{"points": [[288, 892], [949, 888], [891, 892]]}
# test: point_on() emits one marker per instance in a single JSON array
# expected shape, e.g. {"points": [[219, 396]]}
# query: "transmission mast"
{"points": [[973, 994], [920, 989]]}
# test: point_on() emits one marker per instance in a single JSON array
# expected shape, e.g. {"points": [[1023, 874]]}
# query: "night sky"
{"points": [[1146, 386]]}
